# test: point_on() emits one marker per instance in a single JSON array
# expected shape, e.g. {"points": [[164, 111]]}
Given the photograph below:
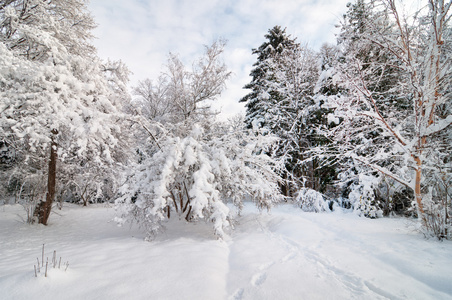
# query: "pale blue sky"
{"points": [[142, 32]]}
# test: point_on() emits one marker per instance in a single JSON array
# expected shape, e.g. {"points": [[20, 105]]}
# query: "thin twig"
{"points": [[39, 268]]}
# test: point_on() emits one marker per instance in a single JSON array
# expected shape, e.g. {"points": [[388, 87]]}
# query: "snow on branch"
{"points": [[196, 175]]}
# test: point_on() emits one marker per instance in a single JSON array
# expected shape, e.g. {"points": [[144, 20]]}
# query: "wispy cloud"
{"points": [[142, 32]]}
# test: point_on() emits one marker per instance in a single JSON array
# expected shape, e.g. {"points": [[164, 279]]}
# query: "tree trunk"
{"points": [[417, 190], [44, 208]]}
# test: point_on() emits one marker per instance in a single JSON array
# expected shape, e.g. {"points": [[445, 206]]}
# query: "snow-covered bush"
{"points": [[362, 197], [194, 176], [437, 214], [311, 200]]}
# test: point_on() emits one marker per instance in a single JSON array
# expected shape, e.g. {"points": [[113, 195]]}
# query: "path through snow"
{"points": [[287, 254]]}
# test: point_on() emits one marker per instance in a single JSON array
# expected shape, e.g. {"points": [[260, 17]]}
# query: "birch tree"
{"points": [[399, 142]]}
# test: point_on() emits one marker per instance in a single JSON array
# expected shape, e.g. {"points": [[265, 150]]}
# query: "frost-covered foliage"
{"points": [[372, 194], [39, 97], [39, 30], [187, 164], [281, 102], [394, 110], [196, 175], [183, 95], [54, 90], [362, 197], [311, 200], [438, 215]]}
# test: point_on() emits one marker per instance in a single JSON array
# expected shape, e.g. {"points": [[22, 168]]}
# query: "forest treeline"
{"points": [[364, 123]]}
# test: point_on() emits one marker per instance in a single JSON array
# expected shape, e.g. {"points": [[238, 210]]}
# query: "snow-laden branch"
{"points": [[384, 171], [437, 127]]}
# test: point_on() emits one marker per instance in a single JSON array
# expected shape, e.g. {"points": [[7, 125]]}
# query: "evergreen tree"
{"points": [[281, 102], [265, 93]]}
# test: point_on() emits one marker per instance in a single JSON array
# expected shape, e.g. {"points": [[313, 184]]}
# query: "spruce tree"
{"points": [[281, 102], [265, 92]]}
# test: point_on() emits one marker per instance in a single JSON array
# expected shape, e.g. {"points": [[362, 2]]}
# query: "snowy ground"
{"points": [[287, 254]]}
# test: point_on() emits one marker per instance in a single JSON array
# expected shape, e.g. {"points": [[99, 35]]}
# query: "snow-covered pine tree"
{"points": [[265, 88], [55, 95], [281, 102], [328, 59], [269, 108]]}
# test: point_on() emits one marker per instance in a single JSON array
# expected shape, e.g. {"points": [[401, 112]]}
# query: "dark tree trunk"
{"points": [[44, 208]]}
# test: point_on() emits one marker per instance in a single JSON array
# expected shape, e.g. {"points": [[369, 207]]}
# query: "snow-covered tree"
{"points": [[184, 95], [89, 180], [328, 59], [194, 176], [189, 165], [30, 28], [55, 95], [265, 90], [282, 102], [396, 125], [269, 105]]}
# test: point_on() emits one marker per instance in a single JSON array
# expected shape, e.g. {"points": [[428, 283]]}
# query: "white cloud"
{"points": [[142, 32]]}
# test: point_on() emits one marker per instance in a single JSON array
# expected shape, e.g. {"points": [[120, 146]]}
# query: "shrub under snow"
{"points": [[311, 200], [362, 197]]}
